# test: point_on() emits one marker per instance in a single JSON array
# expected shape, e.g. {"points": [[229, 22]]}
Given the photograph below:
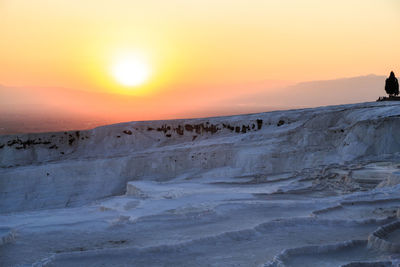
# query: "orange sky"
{"points": [[197, 49]]}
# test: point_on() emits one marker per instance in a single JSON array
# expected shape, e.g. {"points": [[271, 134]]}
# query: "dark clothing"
{"points": [[392, 85]]}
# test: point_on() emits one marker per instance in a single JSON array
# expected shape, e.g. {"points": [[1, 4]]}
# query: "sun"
{"points": [[131, 71]]}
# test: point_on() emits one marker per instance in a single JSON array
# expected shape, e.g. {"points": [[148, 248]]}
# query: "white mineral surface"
{"points": [[309, 187]]}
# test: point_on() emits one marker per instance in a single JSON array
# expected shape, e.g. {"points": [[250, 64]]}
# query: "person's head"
{"points": [[392, 74]]}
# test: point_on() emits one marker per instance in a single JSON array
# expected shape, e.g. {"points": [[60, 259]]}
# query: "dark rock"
{"points": [[71, 140], [188, 127], [163, 128], [198, 128], [12, 142], [179, 130], [259, 124]]}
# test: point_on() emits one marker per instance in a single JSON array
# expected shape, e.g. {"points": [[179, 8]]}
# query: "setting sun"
{"points": [[131, 71], [200, 133]]}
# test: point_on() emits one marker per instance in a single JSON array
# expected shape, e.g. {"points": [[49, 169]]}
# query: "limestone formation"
{"points": [[309, 187]]}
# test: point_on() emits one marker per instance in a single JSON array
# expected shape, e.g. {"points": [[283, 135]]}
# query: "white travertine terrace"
{"points": [[286, 188], [378, 239]]}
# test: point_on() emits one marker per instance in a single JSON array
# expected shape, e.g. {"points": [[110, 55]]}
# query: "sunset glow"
{"points": [[169, 59]]}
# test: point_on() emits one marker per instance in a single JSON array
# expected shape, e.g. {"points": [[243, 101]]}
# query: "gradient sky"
{"points": [[196, 49]]}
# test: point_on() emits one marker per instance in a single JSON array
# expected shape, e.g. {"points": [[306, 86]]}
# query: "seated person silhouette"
{"points": [[392, 85]]}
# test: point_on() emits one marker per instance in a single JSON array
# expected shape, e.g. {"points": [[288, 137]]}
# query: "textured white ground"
{"points": [[304, 187]]}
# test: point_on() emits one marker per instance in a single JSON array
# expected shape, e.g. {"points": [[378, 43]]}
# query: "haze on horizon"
{"points": [[197, 58]]}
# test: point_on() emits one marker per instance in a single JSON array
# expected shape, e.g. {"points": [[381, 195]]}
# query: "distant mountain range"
{"points": [[320, 93], [24, 109]]}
